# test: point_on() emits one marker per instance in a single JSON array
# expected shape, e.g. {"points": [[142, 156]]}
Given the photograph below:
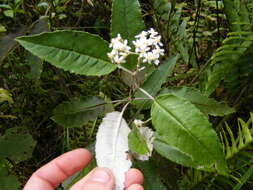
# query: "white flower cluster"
{"points": [[120, 50], [148, 46]]}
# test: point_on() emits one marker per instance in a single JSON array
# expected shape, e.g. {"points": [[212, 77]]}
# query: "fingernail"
{"points": [[100, 176]]}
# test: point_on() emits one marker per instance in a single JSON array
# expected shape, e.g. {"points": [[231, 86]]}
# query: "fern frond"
{"points": [[226, 57], [233, 146], [234, 47]]}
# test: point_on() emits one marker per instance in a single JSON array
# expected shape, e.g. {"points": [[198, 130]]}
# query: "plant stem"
{"points": [[146, 93], [126, 70]]}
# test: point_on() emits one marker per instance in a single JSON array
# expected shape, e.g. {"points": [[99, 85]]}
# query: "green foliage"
{"points": [[155, 81], [175, 119], [225, 58], [8, 43], [5, 96], [137, 143], [206, 105], [152, 178], [77, 112], [83, 54], [20, 145], [244, 178], [234, 47], [126, 19], [7, 181], [212, 41], [244, 139]]}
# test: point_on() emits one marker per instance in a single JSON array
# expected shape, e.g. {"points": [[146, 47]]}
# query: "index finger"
{"points": [[52, 174]]}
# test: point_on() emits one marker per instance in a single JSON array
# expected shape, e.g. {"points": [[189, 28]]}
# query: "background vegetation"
{"points": [[213, 39]]}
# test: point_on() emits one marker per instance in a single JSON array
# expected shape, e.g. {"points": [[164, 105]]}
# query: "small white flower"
{"points": [[120, 50], [143, 34], [149, 46], [138, 122]]}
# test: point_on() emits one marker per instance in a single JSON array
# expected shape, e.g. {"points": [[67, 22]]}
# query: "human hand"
{"points": [[52, 174]]}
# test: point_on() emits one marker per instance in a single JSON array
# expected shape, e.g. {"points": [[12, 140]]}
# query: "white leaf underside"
{"points": [[112, 146]]}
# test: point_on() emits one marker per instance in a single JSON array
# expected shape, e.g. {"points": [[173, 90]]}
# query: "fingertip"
{"points": [[99, 178], [83, 152], [134, 176], [135, 187]]}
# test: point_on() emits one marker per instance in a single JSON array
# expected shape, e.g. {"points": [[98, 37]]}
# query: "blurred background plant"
{"points": [[214, 41]]}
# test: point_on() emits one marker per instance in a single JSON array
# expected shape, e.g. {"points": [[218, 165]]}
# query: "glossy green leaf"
{"points": [[185, 135], [16, 145], [202, 102], [74, 51], [126, 19], [77, 112], [137, 143], [152, 179], [154, 82]]}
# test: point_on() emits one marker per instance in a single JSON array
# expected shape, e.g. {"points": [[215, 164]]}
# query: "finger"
{"points": [[133, 176], [98, 179], [135, 187], [52, 174]]}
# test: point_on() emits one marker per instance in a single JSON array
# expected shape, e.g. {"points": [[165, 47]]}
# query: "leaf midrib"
{"points": [[184, 128], [64, 49]]}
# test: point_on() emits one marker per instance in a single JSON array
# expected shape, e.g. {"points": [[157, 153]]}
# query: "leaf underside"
{"points": [[112, 146]]}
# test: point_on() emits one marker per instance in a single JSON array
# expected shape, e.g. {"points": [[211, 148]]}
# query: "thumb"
{"points": [[97, 179]]}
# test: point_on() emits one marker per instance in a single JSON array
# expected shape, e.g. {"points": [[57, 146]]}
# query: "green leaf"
{"points": [[154, 82], [5, 96], [136, 142], [202, 102], [185, 135], [2, 28], [9, 13], [126, 19], [8, 44], [35, 63], [244, 178], [77, 112], [152, 179], [9, 182], [74, 51], [16, 145], [36, 67], [5, 6]]}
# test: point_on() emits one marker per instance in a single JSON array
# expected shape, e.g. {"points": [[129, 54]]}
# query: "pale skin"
{"points": [[51, 175]]}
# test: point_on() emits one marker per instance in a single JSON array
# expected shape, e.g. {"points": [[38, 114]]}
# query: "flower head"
{"points": [[120, 50], [149, 46]]}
